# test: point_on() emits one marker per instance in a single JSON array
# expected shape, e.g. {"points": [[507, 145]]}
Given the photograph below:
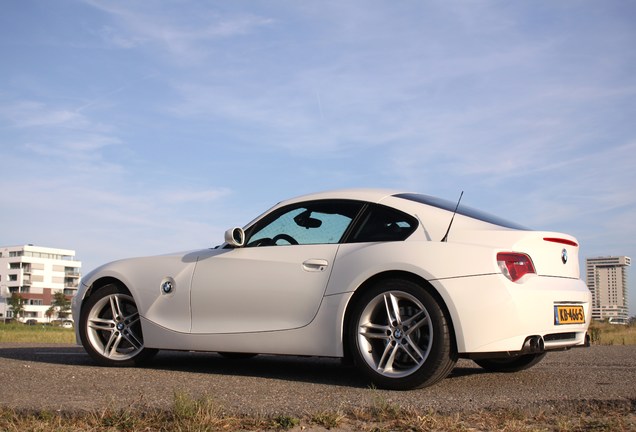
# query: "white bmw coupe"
{"points": [[401, 284]]}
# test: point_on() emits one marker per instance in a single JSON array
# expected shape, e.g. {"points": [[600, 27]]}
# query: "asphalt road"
{"points": [[63, 377]]}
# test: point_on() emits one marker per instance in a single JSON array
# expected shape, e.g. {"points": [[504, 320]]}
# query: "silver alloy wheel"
{"points": [[113, 327], [395, 334]]}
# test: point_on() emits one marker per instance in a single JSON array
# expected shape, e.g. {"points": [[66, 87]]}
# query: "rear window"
{"points": [[462, 210]]}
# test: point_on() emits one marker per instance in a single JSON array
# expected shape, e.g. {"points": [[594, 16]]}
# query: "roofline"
{"points": [[361, 194], [35, 248]]}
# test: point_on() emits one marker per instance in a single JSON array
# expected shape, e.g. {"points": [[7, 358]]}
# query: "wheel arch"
{"points": [[386, 275], [104, 282]]}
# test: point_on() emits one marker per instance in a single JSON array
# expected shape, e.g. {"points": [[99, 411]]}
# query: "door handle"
{"points": [[315, 264]]}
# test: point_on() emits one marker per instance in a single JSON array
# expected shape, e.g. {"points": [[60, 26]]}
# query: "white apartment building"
{"points": [[607, 280], [36, 273]]}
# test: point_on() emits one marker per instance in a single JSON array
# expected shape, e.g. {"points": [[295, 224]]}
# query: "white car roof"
{"points": [[362, 194]]}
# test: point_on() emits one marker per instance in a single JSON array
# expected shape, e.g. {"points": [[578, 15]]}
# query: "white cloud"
{"points": [[185, 33], [58, 140], [80, 146], [27, 113]]}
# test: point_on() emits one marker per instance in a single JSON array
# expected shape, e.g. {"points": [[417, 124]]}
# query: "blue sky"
{"points": [[131, 128]]}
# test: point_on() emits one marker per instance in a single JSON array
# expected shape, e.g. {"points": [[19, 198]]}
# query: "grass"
{"points": [[602, 333], [204, 414], [22, 333]]}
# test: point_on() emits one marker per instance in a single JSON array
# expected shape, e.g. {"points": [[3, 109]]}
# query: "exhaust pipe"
{"points": [[533, 345]]}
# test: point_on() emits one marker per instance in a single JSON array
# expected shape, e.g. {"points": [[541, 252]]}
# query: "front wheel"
{"points": [[400, 336], [514, 364], [110, 328]]}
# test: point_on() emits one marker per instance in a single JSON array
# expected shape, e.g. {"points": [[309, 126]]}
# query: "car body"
{"points": [[403, 284], [67, 324]]}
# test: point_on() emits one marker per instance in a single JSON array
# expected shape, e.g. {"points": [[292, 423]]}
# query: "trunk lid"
{"points": [[553, 254]]}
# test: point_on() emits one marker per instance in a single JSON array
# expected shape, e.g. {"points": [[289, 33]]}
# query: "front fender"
{"points": [[143, 277]]}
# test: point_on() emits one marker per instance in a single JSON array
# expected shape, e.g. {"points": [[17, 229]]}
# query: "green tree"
{"points": [[62, 304], [50, 312], [16, 303]]}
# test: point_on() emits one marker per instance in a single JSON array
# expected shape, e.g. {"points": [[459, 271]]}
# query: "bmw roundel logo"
{"points": [[564, 256], [167, 286]]}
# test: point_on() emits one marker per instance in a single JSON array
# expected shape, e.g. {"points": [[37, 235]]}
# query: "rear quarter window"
{"points": [[381, 224]]}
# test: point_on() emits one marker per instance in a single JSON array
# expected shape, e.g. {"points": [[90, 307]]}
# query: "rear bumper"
{"points": [[490, 314], [532, 345]]}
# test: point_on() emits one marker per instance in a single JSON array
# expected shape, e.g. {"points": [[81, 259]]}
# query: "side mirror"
{"points": [[235, 237]]}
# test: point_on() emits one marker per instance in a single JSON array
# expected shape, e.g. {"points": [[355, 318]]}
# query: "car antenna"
{"points": [[445, 238]]}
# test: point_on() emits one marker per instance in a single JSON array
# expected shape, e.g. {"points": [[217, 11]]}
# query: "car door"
{"points": [[277, 281]]}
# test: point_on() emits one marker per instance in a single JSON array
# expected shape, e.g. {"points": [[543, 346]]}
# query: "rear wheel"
{"points": [[514, 364], [400, 337], [110, 328]]}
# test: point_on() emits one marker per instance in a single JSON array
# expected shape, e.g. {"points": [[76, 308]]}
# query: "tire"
{"points": [[400, 337], [110, 328], [514, 364]]}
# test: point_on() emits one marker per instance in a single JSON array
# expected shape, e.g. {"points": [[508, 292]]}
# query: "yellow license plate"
{"points": [[568, 315]]}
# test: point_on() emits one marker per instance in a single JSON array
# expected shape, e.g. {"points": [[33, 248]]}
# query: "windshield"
{"points": [[462, 210]]}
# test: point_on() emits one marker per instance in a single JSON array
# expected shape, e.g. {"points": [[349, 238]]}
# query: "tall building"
{"points": [[36, 274], [607, 280]]}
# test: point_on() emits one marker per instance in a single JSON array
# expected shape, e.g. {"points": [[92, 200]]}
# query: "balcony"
{"points": [[24, 268], [18, 289], [72, 274]]}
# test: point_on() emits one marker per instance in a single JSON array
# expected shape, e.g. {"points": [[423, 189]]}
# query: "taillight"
{"points": [[514, 265]]}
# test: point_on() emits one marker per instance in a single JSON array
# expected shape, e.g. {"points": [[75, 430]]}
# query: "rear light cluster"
{"points": [[514, 266]]}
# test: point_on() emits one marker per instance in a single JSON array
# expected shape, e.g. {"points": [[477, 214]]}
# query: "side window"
{"points": [[384, 224], [321, 222]]}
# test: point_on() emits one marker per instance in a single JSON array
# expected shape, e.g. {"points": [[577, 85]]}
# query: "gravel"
{"points": [[63, 377]]}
